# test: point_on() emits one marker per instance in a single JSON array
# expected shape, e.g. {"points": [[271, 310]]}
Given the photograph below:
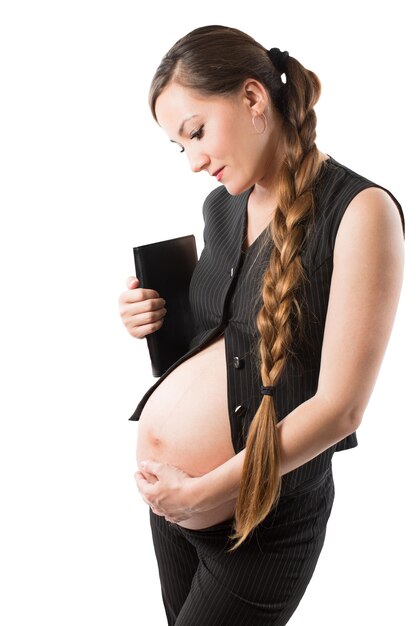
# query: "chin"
{"points": [[236, 190]]}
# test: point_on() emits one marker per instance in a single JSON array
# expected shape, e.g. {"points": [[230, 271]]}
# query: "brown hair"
{"points": [[217, 60]]}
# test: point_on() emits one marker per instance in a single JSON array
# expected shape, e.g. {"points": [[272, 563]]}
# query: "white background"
{"points": [[86, 174]]}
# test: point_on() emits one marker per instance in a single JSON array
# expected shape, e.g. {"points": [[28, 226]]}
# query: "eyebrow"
{"points": [[181, 128]]}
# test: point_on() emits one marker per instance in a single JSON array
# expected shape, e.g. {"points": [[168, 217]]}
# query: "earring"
{"points": [[265, 123]]}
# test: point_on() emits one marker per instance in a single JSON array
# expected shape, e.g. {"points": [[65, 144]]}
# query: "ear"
{"points": [[255, 96]]}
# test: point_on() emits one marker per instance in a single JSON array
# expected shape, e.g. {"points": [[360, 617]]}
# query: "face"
{"points": [[220, 133]]}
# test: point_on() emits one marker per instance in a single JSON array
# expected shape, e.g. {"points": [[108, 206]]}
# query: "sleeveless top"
{"points": [[225, 297]]}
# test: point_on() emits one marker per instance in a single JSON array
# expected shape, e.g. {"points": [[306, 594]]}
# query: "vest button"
{"points": [[237, 362], [231, 271], [240, 410]]}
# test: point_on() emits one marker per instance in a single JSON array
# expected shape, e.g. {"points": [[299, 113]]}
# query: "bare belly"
{"points": [[185, 422]]}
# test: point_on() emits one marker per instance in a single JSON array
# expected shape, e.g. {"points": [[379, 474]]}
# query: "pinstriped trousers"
{"points": [[263, 581]]}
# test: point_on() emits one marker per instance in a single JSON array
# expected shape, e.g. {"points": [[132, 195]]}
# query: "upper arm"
{"points": [[368, 262]]}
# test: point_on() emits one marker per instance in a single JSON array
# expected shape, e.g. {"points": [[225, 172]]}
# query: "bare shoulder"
{"points": [[369, 243], [375, 213], [365, 287]]}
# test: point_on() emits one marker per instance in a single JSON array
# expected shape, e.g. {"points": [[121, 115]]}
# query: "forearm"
{"points": [[306, 432]]}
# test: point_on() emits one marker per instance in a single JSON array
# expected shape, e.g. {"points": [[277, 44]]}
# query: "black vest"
{"points": [[225, 296]]}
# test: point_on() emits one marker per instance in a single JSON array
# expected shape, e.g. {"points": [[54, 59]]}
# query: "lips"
{"points": [[217, 171]]}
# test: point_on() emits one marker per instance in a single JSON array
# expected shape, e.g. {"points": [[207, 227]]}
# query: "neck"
{"points": [[265, 191]]}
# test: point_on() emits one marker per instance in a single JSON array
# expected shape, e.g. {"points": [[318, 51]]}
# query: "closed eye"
{"points": [[197, 135]]}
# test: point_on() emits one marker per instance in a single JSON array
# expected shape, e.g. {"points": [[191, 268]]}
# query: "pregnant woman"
{"points": [[294, 297]]}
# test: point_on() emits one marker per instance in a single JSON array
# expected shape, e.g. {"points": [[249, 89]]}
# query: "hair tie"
{"points": [[279, 59], [267, 391]]}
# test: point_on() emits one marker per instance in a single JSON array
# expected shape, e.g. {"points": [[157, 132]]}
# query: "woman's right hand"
{"points": [[142, 310]]}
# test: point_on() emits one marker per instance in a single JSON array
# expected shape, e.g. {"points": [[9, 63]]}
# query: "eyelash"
{"points": [[198, 134]]}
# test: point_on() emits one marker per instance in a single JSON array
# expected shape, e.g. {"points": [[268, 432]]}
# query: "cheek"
{"points": [[232, 137], [248, 146], [246, 149], [237, 145]]}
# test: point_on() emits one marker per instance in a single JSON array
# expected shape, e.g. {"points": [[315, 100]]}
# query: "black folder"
{"points": [[167, 267]]}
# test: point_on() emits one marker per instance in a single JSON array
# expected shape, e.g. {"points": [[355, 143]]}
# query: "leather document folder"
{"points": [[167, 267]]}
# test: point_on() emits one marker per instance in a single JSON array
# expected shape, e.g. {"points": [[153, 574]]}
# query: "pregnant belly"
{"points": [[185, 422]]}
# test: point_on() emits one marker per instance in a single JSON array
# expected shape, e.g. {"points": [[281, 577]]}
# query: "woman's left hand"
{"points": [[166, 489]]}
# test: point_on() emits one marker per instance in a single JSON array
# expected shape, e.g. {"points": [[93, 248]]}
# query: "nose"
{"points": [[198, 162]]}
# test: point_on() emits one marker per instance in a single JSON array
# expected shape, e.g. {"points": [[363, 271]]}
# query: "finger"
{"points": [[132, 282], [143, 474], [144, 486], [152, 467], [152, 308], [143, 330], [138, 294], [140, 477], [150, 477]]}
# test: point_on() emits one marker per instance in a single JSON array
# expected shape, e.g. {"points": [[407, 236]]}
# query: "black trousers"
{"points": [[259, 584]]}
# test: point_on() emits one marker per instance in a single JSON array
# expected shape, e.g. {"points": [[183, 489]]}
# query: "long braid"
{"points": [[281, 312]]}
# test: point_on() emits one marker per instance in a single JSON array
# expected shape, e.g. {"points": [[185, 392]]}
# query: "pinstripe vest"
{"points": [[225, 296]]}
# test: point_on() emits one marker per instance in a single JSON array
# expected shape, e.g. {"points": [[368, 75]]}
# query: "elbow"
{"points": [[353, 419], [348, 417]]}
